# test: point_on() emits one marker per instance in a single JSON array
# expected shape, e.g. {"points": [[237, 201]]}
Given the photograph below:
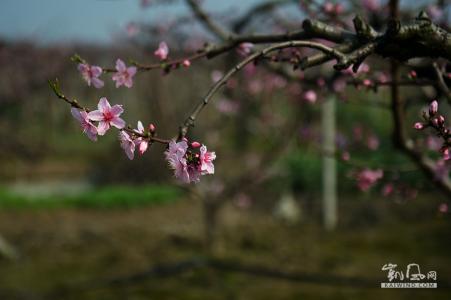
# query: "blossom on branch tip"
{"points": [[107, 116], [127, 144], [433, 108], [162, 52], [124, 75], [186, 63], [88, 128], [188, 166], [91, 74], [418, 126]]}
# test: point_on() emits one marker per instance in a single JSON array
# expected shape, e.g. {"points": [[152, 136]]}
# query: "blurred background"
{"points": [[78, 220]]}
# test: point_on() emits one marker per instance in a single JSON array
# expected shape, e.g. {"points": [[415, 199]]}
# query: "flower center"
{"points": [[108, 116]]}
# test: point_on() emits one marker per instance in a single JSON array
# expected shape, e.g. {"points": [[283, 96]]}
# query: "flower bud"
{"points": [[186, 63], [152, 128], [195, 144], [446, 154], [418, 126], [433, 108], [367, 82], [441, 120]]}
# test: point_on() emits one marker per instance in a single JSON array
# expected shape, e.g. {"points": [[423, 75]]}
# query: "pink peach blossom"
{"points": [[162, 52], [387, 190], [418, 126], [88, 128], [206, 161], [433, 108], [371, 5], [127, 144], [244, 49], [107, 116], [367, 178], [443, 208], [310, 96], [345, 156], [175, 155], [91, 74], [186, 63], [124, 75], [216, 75], [434, 12], [142, 143], [446, 154], [372, 142]]}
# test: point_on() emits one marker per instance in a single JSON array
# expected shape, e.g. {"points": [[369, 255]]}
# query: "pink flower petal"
{"points": [[117, 110], [103, 105], [76, 114], [103, 127], [118, 123], [95, 115], [120, 65], [131, 71]]}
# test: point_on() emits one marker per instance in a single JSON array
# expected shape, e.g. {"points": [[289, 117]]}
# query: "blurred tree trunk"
{"points": [[329, 163]]}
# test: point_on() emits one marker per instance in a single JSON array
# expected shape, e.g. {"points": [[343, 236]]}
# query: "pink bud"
{"points": [[162, 51], [345, 156], [418, 126], [186, 63], [446, 154], [443, 208], [195, 144], [433, 108], [435, 122], [339, 8], [152, 128], [328, 7], [321, 82], [367, 82], [413, 74], [441, 120], [310, 96]]}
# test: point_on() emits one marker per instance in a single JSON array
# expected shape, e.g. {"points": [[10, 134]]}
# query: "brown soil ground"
{"points": [[71, 254]]}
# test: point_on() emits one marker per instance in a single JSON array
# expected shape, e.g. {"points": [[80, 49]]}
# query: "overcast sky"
{"points": [[62, 21], [85, 20]]}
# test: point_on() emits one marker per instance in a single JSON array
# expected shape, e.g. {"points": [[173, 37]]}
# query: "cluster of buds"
{"points": [[190, 160], [436, 121]]}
